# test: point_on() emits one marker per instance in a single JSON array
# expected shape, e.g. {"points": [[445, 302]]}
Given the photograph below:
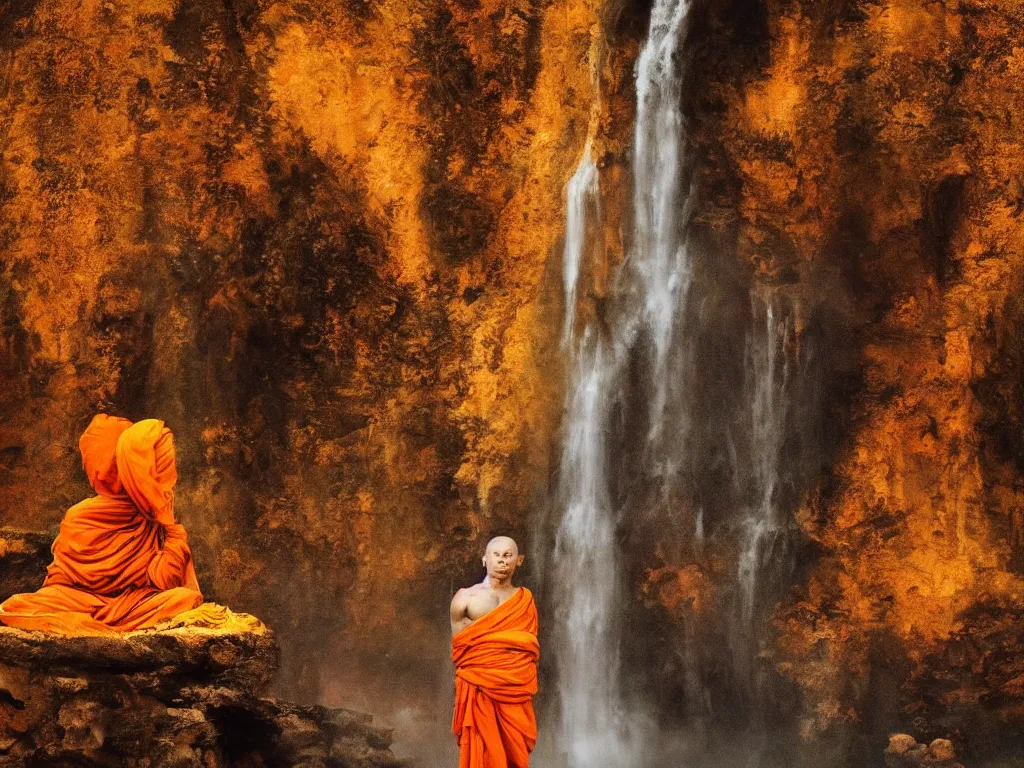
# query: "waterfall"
{"points": [[599, 725], [594, 730], [770, 370], [636, 372], [661, 269], [582, 191]]}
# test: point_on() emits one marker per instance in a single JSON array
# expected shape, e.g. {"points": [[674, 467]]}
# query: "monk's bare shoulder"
{"points": [[459, 611], [460, 602]]}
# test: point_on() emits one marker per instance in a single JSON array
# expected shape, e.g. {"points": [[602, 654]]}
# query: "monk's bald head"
{"points": [[501, 542], [501, 558]]}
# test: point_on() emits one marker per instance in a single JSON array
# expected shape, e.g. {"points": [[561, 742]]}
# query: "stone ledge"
{"points": [[184, 694], [210, 644], [82, 721]]}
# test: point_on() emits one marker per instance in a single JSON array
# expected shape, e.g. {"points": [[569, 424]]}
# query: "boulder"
{"points": [[904, 751]]}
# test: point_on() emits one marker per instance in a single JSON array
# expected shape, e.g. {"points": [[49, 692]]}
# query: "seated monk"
{"points": [[495, 651], [120, 561]]}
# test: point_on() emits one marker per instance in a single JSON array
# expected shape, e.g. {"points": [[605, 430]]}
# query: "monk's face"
{"points": [[501, 558]]}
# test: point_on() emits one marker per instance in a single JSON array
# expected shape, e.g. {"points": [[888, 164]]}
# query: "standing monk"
{"points": [[121, 561], [495, 651]]}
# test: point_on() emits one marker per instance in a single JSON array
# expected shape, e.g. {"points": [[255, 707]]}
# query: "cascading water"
{"points": [[768, 372], [582, 191], [640, 364], [658, 263], [598, 725], [768, 377], [594, 727]]}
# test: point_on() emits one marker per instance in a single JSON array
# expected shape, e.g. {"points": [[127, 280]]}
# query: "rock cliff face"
{"points": [[315, 240], [879, 180], [322, 241]]}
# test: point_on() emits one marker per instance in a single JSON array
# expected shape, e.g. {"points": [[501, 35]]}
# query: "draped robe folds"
{"points": [[120, 562], [495, 679]]}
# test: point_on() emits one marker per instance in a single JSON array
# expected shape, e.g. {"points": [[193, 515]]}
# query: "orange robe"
{"points": [[120, 562], [495, 679]]}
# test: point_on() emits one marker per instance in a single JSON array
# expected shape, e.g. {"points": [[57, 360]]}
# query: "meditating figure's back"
{"points": [[120, 562]]}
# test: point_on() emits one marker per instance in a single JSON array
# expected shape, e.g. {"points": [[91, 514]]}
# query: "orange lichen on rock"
{"points": [[679, 590]]}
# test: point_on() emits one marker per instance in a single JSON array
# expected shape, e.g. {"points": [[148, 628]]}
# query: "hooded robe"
{"points": [[120, 561]]}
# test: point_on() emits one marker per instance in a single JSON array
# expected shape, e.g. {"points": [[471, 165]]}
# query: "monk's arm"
{"points": [[459, 616], [172, 565]]}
